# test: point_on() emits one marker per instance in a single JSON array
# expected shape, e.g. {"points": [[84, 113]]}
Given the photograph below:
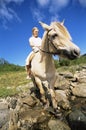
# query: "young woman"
{"points": [[35, 43]]}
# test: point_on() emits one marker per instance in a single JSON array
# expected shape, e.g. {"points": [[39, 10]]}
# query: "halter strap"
{"points": [[45, 51], [48, 52]]}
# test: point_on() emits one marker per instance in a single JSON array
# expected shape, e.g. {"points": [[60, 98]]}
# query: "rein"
{"points": [[47, 52]]}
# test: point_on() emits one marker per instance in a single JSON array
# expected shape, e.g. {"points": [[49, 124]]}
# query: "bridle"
{"points": [[48, 52]]}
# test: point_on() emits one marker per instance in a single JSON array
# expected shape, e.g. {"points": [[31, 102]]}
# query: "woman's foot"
{"points": [[28, 77]]}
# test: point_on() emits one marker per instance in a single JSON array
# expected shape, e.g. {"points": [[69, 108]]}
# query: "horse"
{"points": [[56, 40]]}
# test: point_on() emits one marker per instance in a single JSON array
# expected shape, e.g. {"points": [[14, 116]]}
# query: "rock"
{"points": [[3, 105], [83, 108], [23, 88], [58, 125], [13, 103], [77, 120], [4, 117], [34, 118], [14, 117], [61, 83], [79, 90], [67, 74], [28, 100], [62, 99], [84, 67], [81, 76], [4, 114]]}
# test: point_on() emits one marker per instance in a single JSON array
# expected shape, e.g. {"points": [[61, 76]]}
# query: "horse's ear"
{"points": [[62, 23], [45, 26]]}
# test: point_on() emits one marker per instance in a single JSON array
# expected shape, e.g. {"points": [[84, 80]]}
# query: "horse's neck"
{"points": [[45, 49], [45, 45]]}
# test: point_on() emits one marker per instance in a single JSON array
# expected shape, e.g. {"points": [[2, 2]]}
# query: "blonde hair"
{"points": [[34, 28]]}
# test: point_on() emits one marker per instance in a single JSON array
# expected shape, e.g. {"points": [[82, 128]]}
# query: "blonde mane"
{"points": [[63, 30]]}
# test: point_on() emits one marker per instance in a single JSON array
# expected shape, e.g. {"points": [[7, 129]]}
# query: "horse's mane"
{"points": [[63, 30]]}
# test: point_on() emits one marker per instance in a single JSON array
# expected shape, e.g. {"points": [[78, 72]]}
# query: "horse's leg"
{"points": [[55, 103], [52, 92], [53, 98], [42, 92]]}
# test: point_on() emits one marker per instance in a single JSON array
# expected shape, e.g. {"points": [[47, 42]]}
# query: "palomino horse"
{"points": [[56, 41]]}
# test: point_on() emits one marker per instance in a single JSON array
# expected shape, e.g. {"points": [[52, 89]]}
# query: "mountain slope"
{"points": [[3, 61], [6, 66]]}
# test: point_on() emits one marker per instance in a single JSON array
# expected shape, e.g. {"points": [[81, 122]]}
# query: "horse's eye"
{"points": [[55, 35]]}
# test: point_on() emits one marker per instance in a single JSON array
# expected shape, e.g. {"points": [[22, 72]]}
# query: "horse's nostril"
{"points": [[76, 53]]}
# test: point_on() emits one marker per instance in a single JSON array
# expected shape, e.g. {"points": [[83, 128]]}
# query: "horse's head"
{"points": [[60, 41]]}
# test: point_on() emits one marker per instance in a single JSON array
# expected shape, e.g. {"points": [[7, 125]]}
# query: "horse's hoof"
{"points": [[50, 110], [58, 113], [46, 105]]}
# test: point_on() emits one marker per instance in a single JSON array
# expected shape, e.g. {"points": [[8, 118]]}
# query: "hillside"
{"points": [[3, 61], [66, 62], [11, 67], [6, 66]]}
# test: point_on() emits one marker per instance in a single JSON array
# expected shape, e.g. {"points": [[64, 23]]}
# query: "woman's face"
{"points": [[35, 33]]}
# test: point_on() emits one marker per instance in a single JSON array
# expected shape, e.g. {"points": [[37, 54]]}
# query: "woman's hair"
{"points": [[34, 28]]}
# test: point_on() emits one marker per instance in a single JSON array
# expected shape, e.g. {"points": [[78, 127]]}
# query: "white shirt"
{"points": [[35, 43]]}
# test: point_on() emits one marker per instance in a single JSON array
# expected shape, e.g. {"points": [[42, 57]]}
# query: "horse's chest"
{"points": [[42, 67], [44, 73]]}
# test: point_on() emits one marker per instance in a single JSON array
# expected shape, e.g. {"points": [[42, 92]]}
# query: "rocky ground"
{"points": [[26, 112]]}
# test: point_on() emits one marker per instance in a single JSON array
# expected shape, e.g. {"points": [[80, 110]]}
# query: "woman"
{"points": [[35, 43]]}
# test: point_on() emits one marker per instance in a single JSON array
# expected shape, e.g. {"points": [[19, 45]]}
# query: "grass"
{"points": [[10, 80], [4, 92]]}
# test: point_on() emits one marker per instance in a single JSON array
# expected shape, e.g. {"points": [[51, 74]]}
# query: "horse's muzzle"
{"points": [[73, 54]]}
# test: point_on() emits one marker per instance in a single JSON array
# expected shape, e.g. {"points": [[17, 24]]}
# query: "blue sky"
{"points": [[18, 17]]}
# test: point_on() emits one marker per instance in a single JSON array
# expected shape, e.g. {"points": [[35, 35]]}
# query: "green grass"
{"points": [[4, 92], [10, 80], [10, 67]]}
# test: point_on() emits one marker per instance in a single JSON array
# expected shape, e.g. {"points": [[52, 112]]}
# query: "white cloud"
{"points": [[16, 1], [43, 2], [6, 12], [82, 2], [54, 17], [57, 5], [37, 14], [53, 7]]}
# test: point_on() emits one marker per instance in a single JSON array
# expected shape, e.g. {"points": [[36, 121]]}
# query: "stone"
{"points": [[58, 125], [62, 99], [79, 90], [77, 120]]}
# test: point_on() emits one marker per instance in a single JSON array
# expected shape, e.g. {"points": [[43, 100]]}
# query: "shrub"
{"points": [[65, 62], [11, 67]]}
